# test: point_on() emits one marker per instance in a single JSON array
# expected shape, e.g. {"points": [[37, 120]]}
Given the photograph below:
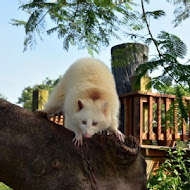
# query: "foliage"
{"points": [[182, 10], [27, 93], [172, 90], [170, 50], [4, 187], [83, 23], [174, 173]]}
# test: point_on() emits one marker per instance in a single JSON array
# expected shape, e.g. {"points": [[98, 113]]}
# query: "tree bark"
{"points": [[128, 56], [37, 154]]}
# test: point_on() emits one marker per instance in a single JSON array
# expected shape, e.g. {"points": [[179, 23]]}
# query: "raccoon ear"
{"points": [[80, 105]]}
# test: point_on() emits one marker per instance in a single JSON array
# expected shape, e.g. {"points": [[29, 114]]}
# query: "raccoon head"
{"points": [[92, 117]]}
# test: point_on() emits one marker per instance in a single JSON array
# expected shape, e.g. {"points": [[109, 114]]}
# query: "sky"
{"points": [[20, 69]]}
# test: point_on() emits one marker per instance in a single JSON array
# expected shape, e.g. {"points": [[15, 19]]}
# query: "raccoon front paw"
{"points": [[120, 136], [78, 141]]}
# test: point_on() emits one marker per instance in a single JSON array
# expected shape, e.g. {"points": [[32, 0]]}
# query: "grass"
{"points": [[4, 187]]}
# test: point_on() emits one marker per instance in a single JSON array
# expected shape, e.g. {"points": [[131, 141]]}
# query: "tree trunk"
{"points": [[37, 154], [125, 60]]}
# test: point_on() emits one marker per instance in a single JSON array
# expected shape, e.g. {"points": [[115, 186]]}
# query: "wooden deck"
{"points": [[154, 118], [147, 116]]}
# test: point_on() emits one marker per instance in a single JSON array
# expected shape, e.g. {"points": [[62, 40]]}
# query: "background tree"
{"points": [[27, 93], [172, 90]]}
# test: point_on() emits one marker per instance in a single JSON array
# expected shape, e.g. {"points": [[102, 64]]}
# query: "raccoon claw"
{"points": [[78, 141], [120, 136]]}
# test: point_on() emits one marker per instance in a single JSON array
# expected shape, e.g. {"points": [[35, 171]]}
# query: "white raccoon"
{"points": [[87, 96]]}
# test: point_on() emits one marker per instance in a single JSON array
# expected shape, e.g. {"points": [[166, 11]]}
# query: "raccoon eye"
{"points": [[94, 123], [84, 122]]}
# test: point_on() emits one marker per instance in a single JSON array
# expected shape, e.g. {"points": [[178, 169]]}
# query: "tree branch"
{"points": [[149, 31], [38, 154], [156, 45]]}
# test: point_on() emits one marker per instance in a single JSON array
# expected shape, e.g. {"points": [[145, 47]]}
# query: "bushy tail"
{"points": [[54, 104]]}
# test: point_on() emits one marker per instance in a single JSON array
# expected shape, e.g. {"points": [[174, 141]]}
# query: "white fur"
{"points": [[86, 93]]}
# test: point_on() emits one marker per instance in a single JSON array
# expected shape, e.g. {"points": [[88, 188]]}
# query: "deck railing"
{"points": [[154, 118]]}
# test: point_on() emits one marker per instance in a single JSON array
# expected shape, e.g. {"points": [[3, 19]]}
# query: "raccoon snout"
{"points": [[87, 135]]}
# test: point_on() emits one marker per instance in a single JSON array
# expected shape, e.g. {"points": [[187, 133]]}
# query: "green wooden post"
{"points": [[142, 86], [40, 97]]}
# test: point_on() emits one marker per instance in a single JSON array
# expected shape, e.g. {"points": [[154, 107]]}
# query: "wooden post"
{"points": [[184, 127], [128, 116], [175, 121], [184, 130], [137, 118], [145, 117], [159, 129], [167, 130], [143, 82], [40, 97], [189, 116], [125, 60], [150, 118]]}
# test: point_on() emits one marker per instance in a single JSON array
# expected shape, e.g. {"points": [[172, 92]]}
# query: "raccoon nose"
{"points": [[87, 135]]}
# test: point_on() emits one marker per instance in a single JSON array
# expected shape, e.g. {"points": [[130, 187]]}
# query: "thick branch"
{"points": [[38, 154]]}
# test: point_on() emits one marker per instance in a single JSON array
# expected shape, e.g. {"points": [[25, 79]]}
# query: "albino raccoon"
{"points": [[87, 96]]}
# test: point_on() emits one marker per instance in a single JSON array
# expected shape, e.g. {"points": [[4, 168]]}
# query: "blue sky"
{"points": [[19, 70]]}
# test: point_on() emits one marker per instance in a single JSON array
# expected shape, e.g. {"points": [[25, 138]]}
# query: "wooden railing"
{"points": [[153, 118]]}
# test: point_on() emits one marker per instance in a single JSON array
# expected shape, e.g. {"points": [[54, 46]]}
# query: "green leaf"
{"points": [[84, 23], [172, 45], [155, 14]]}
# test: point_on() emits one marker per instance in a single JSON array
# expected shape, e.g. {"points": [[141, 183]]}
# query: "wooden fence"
{"points": [[154, 118]]}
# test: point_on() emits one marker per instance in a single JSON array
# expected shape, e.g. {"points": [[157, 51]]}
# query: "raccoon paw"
{"points": [[78, 141], [120, 136]]}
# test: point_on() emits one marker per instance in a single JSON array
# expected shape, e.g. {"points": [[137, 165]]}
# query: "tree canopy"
{"points": [[82, 23], [90, 24]]}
